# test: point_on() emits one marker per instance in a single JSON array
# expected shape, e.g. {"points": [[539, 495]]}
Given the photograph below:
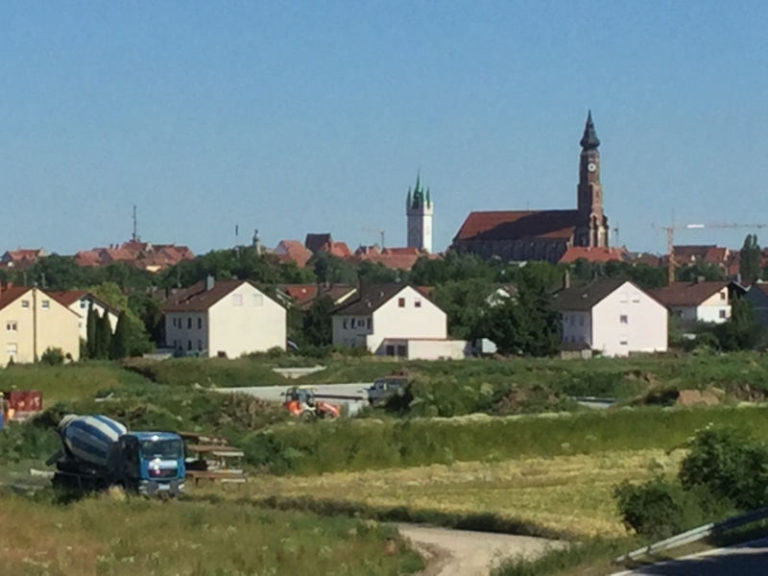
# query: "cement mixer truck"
{"points": [[98, 452]]}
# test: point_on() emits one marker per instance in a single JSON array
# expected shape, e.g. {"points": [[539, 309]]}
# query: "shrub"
{"points": [[52, 357], [729, 465], [654, 509]]}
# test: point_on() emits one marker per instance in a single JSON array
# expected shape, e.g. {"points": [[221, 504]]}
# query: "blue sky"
{"points": [[296, 117]]}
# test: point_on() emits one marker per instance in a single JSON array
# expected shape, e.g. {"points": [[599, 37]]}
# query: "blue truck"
{"points": [[98, 452]]}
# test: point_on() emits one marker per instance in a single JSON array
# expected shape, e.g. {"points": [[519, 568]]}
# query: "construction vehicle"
{"points": [[98, 452], [300, 401]]}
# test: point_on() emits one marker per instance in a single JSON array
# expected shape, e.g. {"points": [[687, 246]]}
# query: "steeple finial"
{"points": [[589, 141]]}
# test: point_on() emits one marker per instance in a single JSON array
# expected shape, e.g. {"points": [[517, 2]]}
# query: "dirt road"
{"points": [[465, 553]]}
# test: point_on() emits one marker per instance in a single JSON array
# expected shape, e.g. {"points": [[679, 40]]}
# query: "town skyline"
{"points": [[319, 119]]}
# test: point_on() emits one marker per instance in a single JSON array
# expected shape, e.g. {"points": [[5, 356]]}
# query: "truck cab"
{"points": [[383, 388], [149, 462]]}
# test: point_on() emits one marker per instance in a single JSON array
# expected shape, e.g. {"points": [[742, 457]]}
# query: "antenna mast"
{"points": [[135, 236]]}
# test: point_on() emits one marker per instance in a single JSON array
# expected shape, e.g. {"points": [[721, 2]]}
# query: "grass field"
{"points": [[569, 496], [114, 536]]}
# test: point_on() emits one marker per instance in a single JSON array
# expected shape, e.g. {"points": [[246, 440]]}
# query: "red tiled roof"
{"points": [[9, 294], [68, 297], [591, 254], [300, 293], [686, 294], [293, 251], [518, 225], [338, 249]]}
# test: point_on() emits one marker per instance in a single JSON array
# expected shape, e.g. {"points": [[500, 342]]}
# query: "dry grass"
{"points": [[565, 494], [118, 536]]}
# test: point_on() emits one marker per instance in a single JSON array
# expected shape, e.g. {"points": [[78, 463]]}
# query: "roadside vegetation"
{"points": [[114, 535]]}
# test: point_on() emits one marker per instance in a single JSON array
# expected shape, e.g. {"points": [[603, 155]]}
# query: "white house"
{"points": [[223, 318], [79, 301], [696, 301], [614, 317], [395, 320]]}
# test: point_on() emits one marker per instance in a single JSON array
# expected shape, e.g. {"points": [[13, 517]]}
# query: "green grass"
{"points": [[111, 535], [61, 383], [376, 444], [209, 372]]}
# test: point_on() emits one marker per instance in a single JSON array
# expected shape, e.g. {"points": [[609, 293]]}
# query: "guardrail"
{"points": [[696, 534]]}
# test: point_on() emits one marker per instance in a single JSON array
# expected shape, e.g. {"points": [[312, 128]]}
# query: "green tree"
{"points": [[318, 330], [464, 302], [119, 344], [749, 260], [90, 328], [742, 331], [103, 336], [331, 270]]}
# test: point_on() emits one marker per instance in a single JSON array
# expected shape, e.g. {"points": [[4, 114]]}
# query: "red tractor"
{"points": [[300, 401]]}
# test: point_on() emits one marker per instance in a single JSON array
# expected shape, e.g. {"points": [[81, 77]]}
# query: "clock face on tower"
{"points": [[591, 166]]}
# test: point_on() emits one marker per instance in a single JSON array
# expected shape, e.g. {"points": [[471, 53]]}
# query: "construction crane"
{"points": [[670, 230], [378, 231]]}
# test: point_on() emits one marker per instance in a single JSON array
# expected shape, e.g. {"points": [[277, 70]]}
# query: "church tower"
{"points": [[419, 209], [592, 230]]}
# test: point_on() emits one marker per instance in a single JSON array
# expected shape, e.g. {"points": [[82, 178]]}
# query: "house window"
{"points": [[390, 350], [199, 323], [623, 319], [344, 323], [83, 304], [722, 295], [45, 304], [199, 344], [258, 300], [25, 303], [622, 343], [417, 304], [11, 326], [369, 323], [401, 302], [722, 314], [401, 351], [189, 344], [189, 323], [237, 299]]}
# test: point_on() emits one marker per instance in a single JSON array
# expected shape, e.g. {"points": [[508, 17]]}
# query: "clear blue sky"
{"points": [[296, 117]]}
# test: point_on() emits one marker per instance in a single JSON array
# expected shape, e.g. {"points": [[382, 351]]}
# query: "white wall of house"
{"points": [[716, 308], [351, 331], [80, 307], [24, 333], [407, 315], [577, 326], [628, 320], [187, 331], [245, 320]]}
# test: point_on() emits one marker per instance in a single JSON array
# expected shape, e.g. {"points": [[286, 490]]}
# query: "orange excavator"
{"points": [[300, 401]]}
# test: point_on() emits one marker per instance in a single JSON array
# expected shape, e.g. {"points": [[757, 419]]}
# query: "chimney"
{"points": [[210, 282], [699, 279], [566, 280]]}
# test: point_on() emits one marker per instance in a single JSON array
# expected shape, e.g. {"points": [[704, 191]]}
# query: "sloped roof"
{"points": [[687, 293], [197, 299], [10, 294], [592, 254], [68, 297], [369, 299], [583, 298], [300, 293], [315, 242], [293, 251], [519, 225]]}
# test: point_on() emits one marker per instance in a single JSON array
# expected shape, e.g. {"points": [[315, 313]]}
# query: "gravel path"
{"points": [[465, 553]]}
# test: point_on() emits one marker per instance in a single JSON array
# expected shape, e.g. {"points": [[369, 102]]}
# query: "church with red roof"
{"points": [[522, 235]]}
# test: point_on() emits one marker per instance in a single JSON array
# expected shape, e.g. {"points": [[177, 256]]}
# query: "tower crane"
{"points": [[670, 230], [378, 231]]}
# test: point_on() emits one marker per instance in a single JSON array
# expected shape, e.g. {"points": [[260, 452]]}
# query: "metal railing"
{"points": [[696, 534]]}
